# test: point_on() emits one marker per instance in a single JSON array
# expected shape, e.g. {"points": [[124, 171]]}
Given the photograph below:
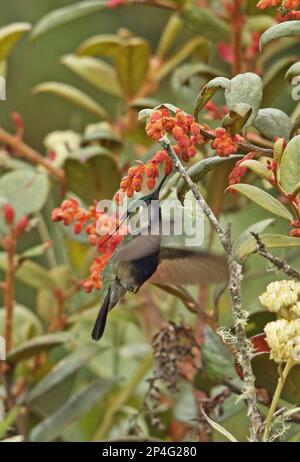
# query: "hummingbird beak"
{"points": [[155, 195]]}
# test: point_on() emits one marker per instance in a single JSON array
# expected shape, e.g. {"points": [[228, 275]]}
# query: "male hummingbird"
{"points": [[140, 257]]}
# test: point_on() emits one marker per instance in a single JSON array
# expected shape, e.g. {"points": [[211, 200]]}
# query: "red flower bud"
{"points": [[9, 214], [22, 224], [77, 228]]}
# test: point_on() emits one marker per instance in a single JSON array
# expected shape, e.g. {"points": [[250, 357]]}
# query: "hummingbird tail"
{"points": [[101, 318]]}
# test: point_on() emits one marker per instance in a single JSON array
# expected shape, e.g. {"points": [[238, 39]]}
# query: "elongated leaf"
{"points": [[205, 22], [10, 35], [284, 29], [199, 170], [96, 178], [208, 91], [168, 37], [132, 63], [273, 123], [61, 371], [30, 273], [245, 237], [185, 51], [38, 345], [101, 45], [71, 94], [219, 428], [245, 88], [263, 199], [8, 421], [290, 165], [76, 406], [64, 15], [96, 72], [270, 240]]}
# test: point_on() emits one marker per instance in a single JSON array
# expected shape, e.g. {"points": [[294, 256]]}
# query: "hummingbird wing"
{"points": [[189, 267], [138, 247]]}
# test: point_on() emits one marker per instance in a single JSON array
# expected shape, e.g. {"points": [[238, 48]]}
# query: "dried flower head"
{"points": [[283, 338]]}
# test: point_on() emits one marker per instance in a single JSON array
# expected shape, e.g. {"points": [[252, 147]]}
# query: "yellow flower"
{"points": [[281, 294], [283, 338]]}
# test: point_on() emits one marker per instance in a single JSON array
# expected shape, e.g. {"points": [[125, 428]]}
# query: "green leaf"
{"points": [[132, 63], [38, 345], [71, 94], [30, 273], [86, 152], [185, 73], [76, 406], [169, 35], [245, 237], [244, 88], [273, 80], [290, 165], [273, 123], [266, 374], [26, 190], [284, 29], [199, 170], [180, 55], [217, 360], [61, 371], [205, 22], [101, 45], [96, 178], [10, 35], [270, 241], [64, 15], [292, 72], [8, 421], [219, 428], [96, 72], [208, 91], [258, 168], [263, 199], [257, 321], [26, 324], [237, 117]]}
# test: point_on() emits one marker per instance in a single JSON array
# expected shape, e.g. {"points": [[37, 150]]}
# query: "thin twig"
{"points": [[30, 154], [244, 147], [280, 264], [235, 272]]}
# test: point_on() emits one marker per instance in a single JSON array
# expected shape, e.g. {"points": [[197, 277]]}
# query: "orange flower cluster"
{"points": [[238, 172], [224, 143], [287, 4], [90, 220], [186, 133]]}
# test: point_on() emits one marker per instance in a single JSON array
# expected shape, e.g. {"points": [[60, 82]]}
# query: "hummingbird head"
{"points": [[153, 196]]}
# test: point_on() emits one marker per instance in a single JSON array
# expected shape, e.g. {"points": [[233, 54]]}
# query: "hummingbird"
{"points": [[140, 258]]}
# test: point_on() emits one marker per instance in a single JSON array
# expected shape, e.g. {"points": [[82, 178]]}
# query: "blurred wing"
{"points": [[138, 247], [188, 267]]}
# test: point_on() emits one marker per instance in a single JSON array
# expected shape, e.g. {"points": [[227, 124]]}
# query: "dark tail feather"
{"points": [[101, 319]]}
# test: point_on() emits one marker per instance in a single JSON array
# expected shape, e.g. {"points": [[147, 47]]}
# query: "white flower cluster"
{"points": [[62, 143], [282, 295], [283, 335]]}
